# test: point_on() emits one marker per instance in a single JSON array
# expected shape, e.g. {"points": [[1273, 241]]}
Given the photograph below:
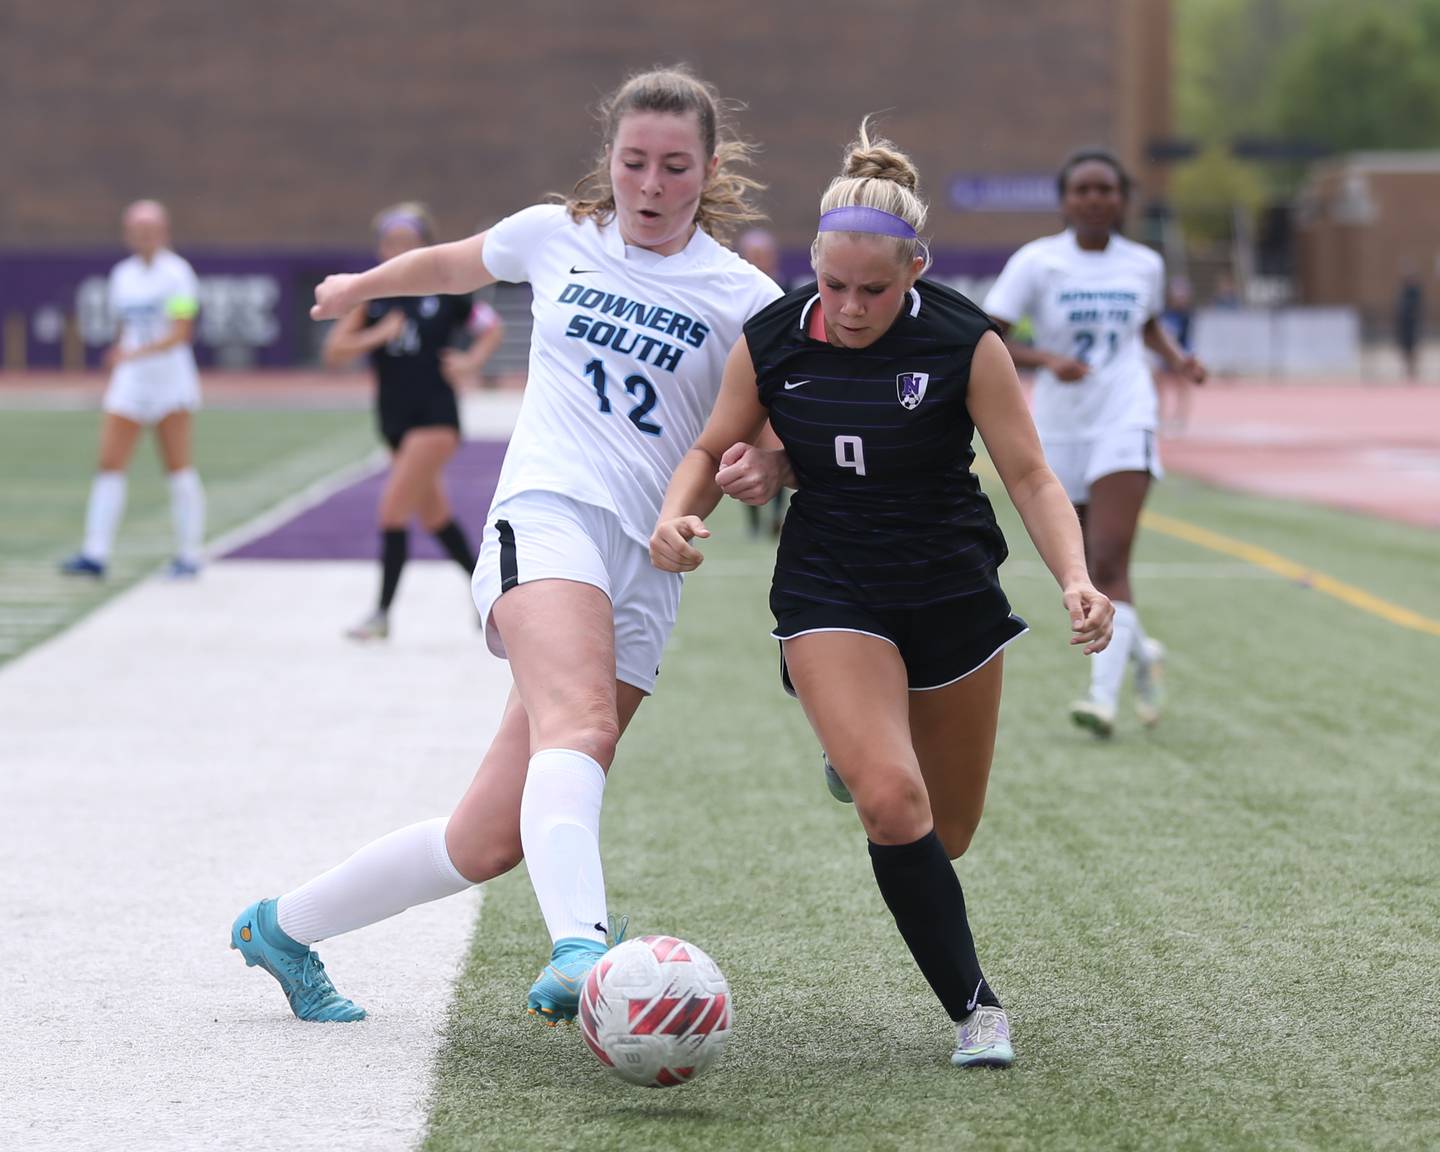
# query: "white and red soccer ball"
{"points": [[656, 1011]]}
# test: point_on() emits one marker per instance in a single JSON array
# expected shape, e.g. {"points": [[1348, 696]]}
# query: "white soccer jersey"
{"points": [[626, 357], [1089, 306], [145, 300]]}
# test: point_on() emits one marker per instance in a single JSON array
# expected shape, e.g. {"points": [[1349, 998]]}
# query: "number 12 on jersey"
{"points": [[636, 386]]}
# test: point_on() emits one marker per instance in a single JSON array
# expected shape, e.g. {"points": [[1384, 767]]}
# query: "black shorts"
{"points": [[432, 408], [940, 643]]}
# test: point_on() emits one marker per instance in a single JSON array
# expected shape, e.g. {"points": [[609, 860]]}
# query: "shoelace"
{"points": [[987, 1030], [312, 974], [619, 925]]}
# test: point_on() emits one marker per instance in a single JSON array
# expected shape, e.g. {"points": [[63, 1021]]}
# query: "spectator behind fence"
{"points": [[1409, 319]]}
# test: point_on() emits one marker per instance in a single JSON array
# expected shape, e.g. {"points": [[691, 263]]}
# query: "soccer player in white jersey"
{"points": [[1095, 299], [154, 299], [636, 306]]}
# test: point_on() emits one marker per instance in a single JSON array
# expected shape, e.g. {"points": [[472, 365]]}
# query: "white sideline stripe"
{"points": [[183, 750]]}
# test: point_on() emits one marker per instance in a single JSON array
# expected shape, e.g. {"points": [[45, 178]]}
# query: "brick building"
{"points": [[274, 129], [288, 124], [1364, 222]]}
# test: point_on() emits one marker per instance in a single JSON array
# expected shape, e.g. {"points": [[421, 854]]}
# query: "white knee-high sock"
{"points": [[560, 832], [103, 514], [408, 867], [1107, 668], [187, 511]]}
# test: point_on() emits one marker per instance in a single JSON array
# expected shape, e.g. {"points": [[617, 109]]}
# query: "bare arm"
{"points": [[464, 366], [1028, 356], [693, 493], [1179, 361], [439, 270], [755, 473], [182, 332], [349, 338], [997, 405]]}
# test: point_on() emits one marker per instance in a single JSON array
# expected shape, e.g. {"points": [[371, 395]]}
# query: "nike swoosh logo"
{"points": [[974, 1001], [565, 980], [581, 271], [796, 384]]}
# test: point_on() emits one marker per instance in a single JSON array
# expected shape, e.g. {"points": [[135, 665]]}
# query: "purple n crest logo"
{"points": [[910, 388]]}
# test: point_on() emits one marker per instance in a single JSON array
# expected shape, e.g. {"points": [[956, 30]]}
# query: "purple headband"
{"points": [[402, 220], [857, 218]]}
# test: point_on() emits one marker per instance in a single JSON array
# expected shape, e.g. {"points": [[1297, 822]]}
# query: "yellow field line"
{"points": [[1262, 558]]}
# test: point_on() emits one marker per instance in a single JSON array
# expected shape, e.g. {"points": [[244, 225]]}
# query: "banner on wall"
{"points": [[254, 308]]}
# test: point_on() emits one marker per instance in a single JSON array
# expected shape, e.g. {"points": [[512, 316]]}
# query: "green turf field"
{"points": [[1221, 935], [248, 460]]}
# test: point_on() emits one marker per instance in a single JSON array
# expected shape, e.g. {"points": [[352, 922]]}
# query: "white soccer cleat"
{"points": [[1150, 681], [376, 626], [982, 1040], [1094, 717]]}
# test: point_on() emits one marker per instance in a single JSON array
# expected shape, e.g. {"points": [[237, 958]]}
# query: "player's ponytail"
{"points": [[876, 174], [725, 199]]}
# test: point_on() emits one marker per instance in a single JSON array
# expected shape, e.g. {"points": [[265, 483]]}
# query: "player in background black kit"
{"points": [[887, 606], [408, 341]]}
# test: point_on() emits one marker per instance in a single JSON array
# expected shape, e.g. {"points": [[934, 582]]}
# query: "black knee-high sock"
{"points": [[456, 544], [394, 548], [923, 893]]}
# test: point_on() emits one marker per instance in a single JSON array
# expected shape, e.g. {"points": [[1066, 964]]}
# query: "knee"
{"points": [[480, 858], [1108, 568], [893, 806], [956, 835], [594, 731], [597, 736]]}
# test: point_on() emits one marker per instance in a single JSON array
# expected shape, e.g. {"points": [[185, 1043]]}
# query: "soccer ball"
{"points": [[656, 1011]]}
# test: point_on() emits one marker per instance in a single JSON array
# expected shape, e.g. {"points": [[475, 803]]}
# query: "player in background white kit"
{"points": [[1095, 299], [154, 299], [636, 307]]}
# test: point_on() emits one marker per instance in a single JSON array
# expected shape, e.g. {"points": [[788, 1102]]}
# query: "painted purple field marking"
{"points": [[342, 526]]}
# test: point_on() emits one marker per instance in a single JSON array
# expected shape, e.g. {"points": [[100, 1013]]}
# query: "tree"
{"points": [[1363, 76]]}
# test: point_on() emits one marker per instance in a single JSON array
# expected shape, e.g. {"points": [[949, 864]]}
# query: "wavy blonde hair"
{"points": [[876, 174], [725, 200]]}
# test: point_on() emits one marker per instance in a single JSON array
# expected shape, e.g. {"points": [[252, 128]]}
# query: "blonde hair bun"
{"points": [[879, 160], [876, 174]]}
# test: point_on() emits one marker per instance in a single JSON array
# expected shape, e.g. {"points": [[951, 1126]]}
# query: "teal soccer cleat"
{"points": [[256, 936], [555, 995]]}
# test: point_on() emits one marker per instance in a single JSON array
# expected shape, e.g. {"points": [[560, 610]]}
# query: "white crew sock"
{"points": [[560, 832], [1137, 635], [1107, 668], [103, 514], [408, 867], [187, 511]]}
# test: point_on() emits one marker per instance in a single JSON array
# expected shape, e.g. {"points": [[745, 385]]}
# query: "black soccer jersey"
{"points": [[409, 365], [887, 513]]}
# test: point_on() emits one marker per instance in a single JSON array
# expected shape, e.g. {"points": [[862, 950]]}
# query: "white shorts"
{"points": [[1079, 463], [143, 395], [540, 535]]}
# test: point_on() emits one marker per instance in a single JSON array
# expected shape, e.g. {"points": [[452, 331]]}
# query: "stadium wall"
{"points": [[275, 131]]}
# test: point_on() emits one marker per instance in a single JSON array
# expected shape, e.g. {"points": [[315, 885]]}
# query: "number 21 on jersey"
{"points": [[636, 386]]}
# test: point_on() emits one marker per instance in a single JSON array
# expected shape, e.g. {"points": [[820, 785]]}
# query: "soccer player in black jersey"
{"points": [[409, 343], [887, 606]]}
